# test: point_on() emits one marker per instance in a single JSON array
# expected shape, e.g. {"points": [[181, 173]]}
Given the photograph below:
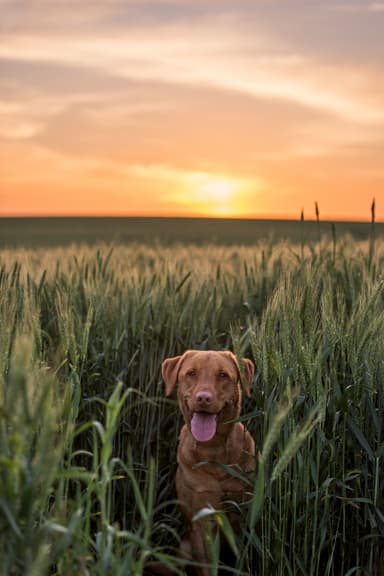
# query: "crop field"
{"points": [[59, 231], [88, 439]]}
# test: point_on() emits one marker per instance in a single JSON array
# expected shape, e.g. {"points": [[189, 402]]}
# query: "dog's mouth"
{"points": [[203, 426]]}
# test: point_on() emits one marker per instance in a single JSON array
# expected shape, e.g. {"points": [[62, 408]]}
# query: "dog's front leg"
{"points": [[194, 547], [199, 550]]}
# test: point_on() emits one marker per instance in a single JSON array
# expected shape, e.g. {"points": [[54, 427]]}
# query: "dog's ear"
{"points": [[246, 376], [169, 371]]}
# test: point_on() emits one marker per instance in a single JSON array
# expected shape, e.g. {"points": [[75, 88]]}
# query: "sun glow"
{"points": [[199, 192], [216, 195], [220, 190]]}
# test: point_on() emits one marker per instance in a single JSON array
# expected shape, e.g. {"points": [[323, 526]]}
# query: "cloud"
{"points": [[358, 8], [192, 55], [193, 127]]}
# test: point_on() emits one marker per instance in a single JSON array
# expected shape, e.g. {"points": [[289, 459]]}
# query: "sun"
{"points": [[218, 190], [212, 194]]}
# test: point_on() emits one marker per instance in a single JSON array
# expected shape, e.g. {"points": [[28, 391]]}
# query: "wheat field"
{"points": [[88, 439]]}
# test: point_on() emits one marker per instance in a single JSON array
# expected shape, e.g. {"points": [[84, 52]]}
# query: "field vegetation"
{"points": [[59, 231], [88, 439]]}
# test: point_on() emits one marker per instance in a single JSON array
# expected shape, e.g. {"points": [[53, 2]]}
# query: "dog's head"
{"points": [[209, 389]]}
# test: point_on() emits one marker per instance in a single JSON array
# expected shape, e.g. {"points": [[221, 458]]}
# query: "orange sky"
{"points": [[214, 108]]}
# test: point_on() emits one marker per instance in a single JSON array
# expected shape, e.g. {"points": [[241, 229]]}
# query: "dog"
{"points": [[209, 396]]}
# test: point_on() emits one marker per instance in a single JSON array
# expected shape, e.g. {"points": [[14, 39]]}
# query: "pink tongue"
{"points": [[203, 426]]}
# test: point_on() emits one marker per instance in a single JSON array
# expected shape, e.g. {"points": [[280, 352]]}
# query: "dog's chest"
{"points": [[204, 466]]}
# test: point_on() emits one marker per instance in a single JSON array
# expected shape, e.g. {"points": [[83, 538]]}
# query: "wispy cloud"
{"points": [[182, 55], [358, 7]]}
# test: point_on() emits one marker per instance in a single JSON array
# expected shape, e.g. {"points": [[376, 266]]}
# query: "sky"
{"points": [[192, 108]]}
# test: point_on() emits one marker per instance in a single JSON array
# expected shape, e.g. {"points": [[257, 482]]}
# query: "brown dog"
{"points": [[209, 396]]}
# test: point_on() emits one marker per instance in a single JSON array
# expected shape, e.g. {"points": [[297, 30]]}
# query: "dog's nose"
{"points": [[204, 397]]}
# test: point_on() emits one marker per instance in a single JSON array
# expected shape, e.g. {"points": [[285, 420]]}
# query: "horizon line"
{"points": [[282, 218]]}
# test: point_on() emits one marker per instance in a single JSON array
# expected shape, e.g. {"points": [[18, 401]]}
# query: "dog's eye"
{"points": [[191, 373], [223, 374]]}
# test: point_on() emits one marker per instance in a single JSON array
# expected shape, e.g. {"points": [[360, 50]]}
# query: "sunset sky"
{"points": [[214, 108]]}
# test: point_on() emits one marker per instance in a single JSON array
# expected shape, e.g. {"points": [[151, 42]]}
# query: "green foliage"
{"points": [[88, 440], [31, 442]]}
